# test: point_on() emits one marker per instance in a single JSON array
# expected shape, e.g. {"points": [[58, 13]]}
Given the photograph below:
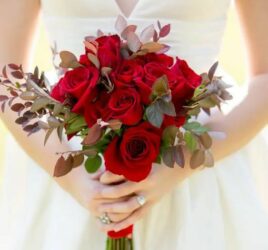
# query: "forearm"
{"points": [[16, 46], [244, 121]]}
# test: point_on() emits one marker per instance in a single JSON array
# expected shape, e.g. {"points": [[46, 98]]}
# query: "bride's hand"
{"points": [[87, 190], [160, 182]]}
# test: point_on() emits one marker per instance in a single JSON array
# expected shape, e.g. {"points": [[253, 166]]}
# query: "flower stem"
{"points": [[119, 244]]}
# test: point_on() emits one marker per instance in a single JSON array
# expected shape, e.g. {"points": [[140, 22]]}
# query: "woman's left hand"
{"points": [[161, 180]]}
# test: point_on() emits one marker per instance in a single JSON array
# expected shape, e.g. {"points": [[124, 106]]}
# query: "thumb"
{"points": [[109, 178]]}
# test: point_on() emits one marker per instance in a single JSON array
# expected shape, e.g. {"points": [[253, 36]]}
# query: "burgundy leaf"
{"points": [[159, 24], [78, 160], [164, 30], [17, 107], [3, 98], [94, 134], [4, 71], [17, 74], [14, 66], [34, 130], [3, 105], [21, 120], [11, 101], [30, 127], [29, 114], [155, 37], [13, 92], [28, 104], [62, 167]]}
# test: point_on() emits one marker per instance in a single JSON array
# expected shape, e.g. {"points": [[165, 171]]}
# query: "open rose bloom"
{"points": [[127, 99]]}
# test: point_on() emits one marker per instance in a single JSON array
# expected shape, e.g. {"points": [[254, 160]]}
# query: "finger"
{"points": [[134, 217], [109, 178], [118, 217], [121, 207], [120, 190]]}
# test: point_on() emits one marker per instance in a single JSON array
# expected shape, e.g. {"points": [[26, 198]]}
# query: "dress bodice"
{"points": [[196, 26]]}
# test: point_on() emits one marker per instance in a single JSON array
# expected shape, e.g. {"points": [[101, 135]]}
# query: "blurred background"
{"points": [[231, 59]]}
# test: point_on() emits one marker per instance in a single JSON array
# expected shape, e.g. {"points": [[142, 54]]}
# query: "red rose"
{"points": [[161, 59], [108, 50], [85, 61], [127, 72], [132, 154], [125, 105], [177, 121], [81, 83], [95, 109], [187, 81], [78, 83], [154, 70], [58, 94]]}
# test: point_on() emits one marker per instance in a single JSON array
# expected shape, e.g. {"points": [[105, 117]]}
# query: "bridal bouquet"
{"points": [[130, 102]]}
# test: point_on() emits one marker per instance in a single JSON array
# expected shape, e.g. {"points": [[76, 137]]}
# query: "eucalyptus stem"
{"points": [[119, 244]]}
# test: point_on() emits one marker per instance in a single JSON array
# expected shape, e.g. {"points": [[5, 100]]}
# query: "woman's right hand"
{"points": [[86, 189]]}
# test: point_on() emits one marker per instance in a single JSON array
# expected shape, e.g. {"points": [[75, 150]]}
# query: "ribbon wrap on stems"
{"points": [[121, 240]]}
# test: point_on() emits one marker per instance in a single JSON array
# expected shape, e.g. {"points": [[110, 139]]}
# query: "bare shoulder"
{"points": [[20, 18], [253, 18]]}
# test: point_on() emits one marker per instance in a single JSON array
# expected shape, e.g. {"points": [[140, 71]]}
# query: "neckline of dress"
{"points": [[124, 8]]}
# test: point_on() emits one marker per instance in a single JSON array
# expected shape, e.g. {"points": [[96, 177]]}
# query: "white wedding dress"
{"points": [[215, 209]]}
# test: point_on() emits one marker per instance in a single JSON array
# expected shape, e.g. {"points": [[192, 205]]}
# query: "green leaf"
{"points": [[158, 159], [76, 125], [167, 108], [169, 134], [206, 140], [40, 103], [68, 60], [197, 158], [191, 125], [154, 115], [179, 156], [169, 157], [190, 140], [212, 70], [195, 127], [207, 103], [160, 86], [94, 59], [209, 159], [92, 164]]}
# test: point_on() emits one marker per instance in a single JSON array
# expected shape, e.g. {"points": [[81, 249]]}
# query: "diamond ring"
{"points": [[141, 200], [105, 219]]}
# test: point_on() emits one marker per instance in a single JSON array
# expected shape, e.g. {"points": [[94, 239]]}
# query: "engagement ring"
{"points": [[105, 219]]}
